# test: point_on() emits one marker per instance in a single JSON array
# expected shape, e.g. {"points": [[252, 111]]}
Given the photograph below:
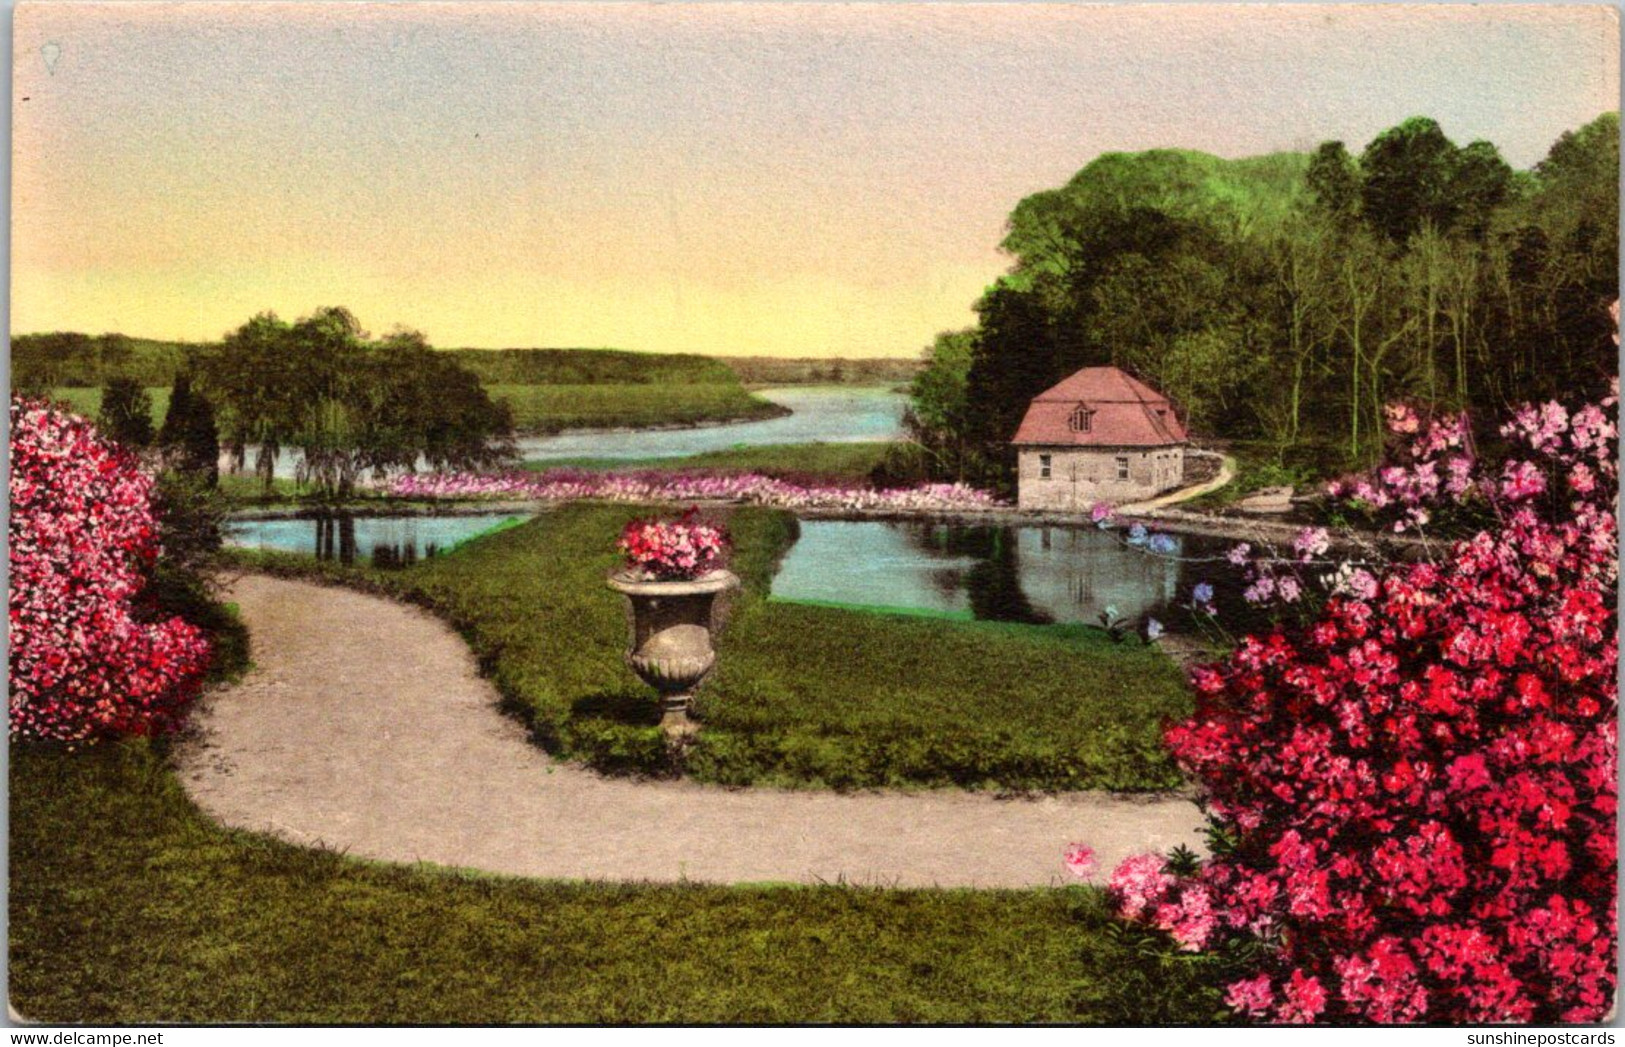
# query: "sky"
{"points": [[732, 178]]}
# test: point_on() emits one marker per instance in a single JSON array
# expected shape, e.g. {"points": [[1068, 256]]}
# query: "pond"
{"points": [[1030, 574], [821, 414], [384, 541]]}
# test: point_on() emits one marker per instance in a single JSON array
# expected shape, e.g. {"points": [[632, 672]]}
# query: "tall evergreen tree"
{"points": [[189, 438]]}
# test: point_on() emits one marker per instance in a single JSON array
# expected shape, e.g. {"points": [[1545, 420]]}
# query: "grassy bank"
{"points": [[128, 906], [851, 462], [550, 408], [803, 696]]}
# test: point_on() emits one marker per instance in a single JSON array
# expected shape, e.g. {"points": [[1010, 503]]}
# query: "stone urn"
{"points": [[672, 623]]}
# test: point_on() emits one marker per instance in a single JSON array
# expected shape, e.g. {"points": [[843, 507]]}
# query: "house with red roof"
{"points": [[1099, 436]]}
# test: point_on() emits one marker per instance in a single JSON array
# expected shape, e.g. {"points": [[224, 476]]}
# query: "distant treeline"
{"points": [[1286, 298], [771, 370], [67, 359]]}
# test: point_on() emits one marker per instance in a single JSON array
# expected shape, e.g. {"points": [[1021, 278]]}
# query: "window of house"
{"points": [[1043, 466], [1083, 420], [1122, 467]]}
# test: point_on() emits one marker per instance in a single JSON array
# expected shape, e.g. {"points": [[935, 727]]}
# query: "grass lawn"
{"points": [[851, 462], [128, 906], [803, 695], [550, 408], [88, 401]]}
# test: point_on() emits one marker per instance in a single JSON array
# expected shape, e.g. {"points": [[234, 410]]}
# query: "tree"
{"points": [[349, 406], [1479, 185], [126, 413], [1334, 183], [42, 362], [938, 416], [1407, 174], [189, 438]]}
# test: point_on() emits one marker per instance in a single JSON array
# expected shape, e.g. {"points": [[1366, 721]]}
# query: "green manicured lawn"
{"points": [[549, 408], [129, 906], [803, 695], [830, 461], [88, 401]]}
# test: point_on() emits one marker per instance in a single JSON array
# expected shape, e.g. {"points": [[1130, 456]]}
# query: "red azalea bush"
{"points": [[673, 550], [1413, 798], [83, 539]]}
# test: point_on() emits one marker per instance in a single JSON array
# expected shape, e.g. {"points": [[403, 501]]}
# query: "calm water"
{"points": [[386, 541], [1028, 574], [1017, 574], [822, 414]]}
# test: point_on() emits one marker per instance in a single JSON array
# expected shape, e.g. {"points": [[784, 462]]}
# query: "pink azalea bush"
{"points": [[566, 485], [1413, 796], [83, 663], [673, 550]]}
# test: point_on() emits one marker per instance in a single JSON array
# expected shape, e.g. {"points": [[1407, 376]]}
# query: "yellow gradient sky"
{"points": [[731, 178]]}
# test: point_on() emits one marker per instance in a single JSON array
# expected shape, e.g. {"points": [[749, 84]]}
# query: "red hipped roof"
{"points": [[1127, 413]]}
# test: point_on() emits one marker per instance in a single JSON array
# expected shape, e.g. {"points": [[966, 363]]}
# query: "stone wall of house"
{"points": [[1079, 477]]}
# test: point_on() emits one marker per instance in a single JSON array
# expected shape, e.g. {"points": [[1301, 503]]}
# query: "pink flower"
{"points": [[1520, 480], [1139, 882], [1305, 1000], [1250, 995], [1311, 542], [1080, 860], [1401, 418]]}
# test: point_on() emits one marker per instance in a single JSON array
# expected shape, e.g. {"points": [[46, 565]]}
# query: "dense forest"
{"points": [[1284, 299]]}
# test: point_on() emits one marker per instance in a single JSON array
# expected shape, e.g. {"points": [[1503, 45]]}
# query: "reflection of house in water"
{"points": [[1073, 575], [1099, 436], [1013, 574]]}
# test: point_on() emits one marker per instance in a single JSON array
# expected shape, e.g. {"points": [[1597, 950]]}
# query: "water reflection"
{"points": [[384, 541], [1029, 574]]}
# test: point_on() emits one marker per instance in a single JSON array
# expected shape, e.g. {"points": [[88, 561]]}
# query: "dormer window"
{"points": [[1082, 420]]}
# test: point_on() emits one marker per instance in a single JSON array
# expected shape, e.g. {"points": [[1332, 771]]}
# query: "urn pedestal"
{"points": [[672, 624]]}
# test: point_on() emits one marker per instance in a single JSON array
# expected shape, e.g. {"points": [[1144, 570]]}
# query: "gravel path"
{"points": [[365, 727]]}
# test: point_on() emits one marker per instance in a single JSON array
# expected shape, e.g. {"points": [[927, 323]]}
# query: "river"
{"points": [[819, 414]]}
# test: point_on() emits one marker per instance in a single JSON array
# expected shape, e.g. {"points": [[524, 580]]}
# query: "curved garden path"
{"points": [[364, 726]]}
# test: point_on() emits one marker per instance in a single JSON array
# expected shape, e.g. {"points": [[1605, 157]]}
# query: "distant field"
{"points": [[591, 367], [550, 408], [88, 402], [844, 462]]}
